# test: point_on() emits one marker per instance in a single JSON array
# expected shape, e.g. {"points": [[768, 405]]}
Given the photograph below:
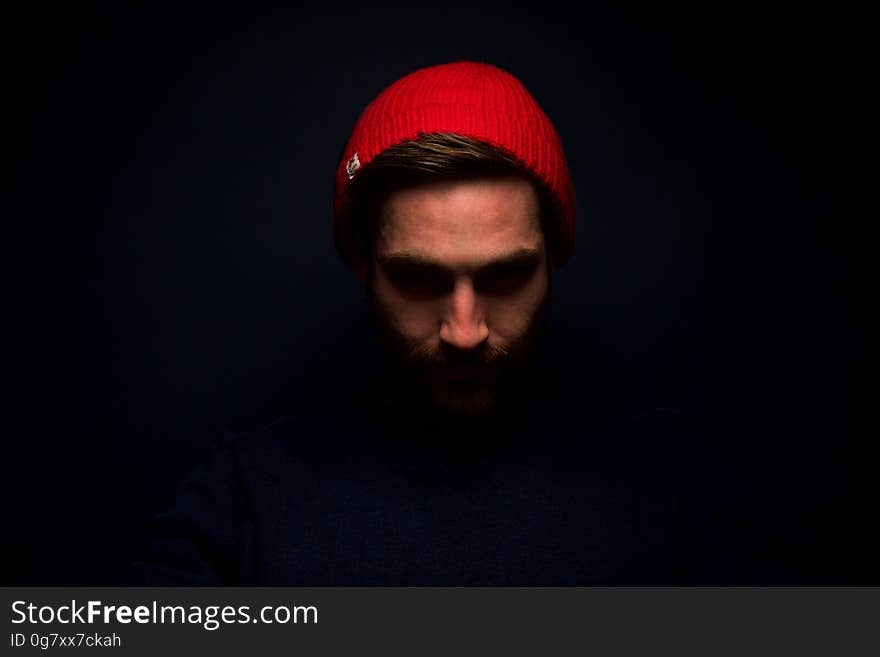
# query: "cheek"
{"points": [[418, 321], [511, 315]]}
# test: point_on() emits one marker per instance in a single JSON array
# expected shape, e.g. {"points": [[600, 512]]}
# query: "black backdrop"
{"points": [[171, 269]]}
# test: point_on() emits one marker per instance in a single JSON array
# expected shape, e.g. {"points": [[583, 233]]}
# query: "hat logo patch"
{"points": [[352, 166]]}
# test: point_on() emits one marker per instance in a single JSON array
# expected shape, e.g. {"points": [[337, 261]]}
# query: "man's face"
{"points": [[459, 287]]}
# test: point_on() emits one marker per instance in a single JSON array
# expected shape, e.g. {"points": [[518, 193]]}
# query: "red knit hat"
{"points": [[471, 99]]}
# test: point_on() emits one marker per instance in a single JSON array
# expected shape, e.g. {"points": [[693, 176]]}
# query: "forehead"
{"points": [[461, 220]]}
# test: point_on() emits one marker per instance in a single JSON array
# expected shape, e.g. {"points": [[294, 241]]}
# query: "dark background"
{"points": [[171, 269]]}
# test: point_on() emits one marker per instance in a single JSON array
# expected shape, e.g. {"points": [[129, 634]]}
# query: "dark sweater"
{"points": [[348, 493]]}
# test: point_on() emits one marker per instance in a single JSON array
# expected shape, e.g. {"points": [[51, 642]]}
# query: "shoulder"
{"points": [[199, 538]]}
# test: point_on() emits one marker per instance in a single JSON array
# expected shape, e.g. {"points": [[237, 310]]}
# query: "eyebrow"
{"points": [[520, 257]]}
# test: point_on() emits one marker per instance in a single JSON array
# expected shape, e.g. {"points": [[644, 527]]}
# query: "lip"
{"points": [[464, 375]]}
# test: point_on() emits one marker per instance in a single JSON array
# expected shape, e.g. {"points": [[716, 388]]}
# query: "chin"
{"points": [[465, 403]]}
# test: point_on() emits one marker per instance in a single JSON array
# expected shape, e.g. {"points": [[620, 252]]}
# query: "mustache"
{"points": [[446, 356]]}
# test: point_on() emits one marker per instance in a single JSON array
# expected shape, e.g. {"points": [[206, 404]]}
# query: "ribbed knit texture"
{"points": [[470, 99]]}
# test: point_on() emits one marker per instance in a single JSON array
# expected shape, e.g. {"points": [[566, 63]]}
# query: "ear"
{"points": [[361, 268], [553, 262], [361, 271]]}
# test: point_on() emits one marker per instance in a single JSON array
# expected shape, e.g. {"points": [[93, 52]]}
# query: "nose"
{"points": [[464, 324]]}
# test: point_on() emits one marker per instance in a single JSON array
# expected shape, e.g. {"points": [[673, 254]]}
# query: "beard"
{"points": [[447, 383]]}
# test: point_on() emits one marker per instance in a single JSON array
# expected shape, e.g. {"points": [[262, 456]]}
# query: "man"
{"points": [[463, 460]]}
